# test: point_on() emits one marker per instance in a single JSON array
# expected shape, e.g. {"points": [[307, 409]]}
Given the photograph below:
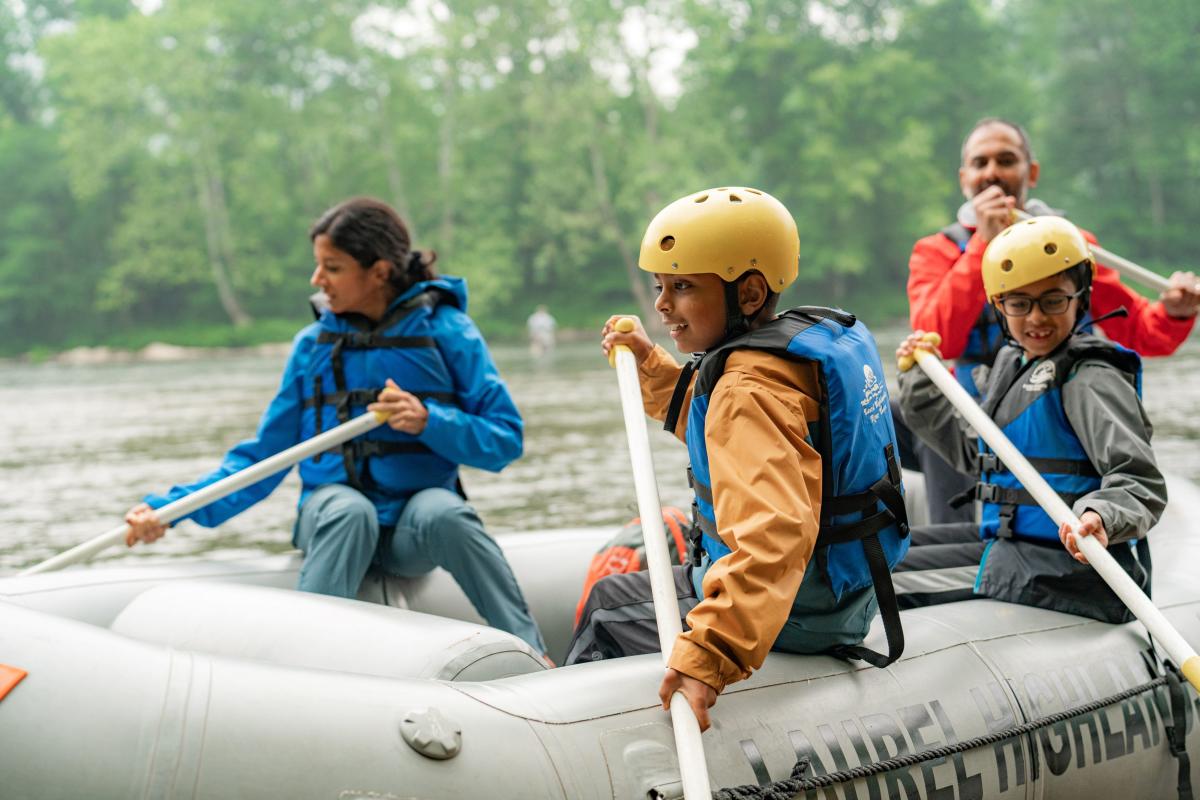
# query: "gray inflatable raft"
{"points": [[216, 680]]}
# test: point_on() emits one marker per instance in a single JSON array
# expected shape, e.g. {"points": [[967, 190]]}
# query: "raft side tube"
{"points": [[300, 629], [145, 721]]}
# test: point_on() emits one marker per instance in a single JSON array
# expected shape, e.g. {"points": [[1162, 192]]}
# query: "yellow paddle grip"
{"points": [[1191, 671], [624, 325], [383, 416], [906, 362]]}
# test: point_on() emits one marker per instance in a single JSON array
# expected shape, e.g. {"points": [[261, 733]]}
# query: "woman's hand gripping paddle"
{"points": [[226, 486]]}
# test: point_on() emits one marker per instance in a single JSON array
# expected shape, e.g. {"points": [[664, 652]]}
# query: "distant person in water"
{"points": [[541, 328], [391, 335]]}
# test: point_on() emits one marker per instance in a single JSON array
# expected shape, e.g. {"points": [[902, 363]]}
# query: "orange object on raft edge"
{"points": [[9, 677]]}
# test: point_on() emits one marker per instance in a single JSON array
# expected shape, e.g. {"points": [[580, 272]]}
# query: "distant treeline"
{"points": [[160, 162]]}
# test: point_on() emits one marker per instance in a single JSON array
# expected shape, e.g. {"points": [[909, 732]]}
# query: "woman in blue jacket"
{"points": [[392, 336]]}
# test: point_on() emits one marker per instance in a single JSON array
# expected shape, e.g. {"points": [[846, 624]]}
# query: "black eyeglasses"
{"points": [[1019, 305]]}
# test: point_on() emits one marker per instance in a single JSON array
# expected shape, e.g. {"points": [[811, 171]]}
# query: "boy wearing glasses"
{"points": [[1071, 403]]}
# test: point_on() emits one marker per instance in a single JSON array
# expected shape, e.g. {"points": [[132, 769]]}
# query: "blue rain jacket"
{"points": [[445, 361]]}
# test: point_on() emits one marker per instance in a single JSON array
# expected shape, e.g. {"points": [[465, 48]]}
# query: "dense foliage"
{"points": [[160, 162]]}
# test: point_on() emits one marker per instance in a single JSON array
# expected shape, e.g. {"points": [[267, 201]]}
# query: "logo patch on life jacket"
{"points": [[1041, 378], [874, 402]]}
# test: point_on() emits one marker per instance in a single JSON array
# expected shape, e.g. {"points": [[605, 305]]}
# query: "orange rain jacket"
{"points": [[945, 294], [766, 484]]}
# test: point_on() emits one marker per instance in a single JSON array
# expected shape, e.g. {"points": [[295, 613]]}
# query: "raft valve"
{"points": [[431, 734]]}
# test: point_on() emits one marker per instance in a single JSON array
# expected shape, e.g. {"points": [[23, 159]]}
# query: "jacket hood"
{"points": [[1033, 206], [452, 289]]}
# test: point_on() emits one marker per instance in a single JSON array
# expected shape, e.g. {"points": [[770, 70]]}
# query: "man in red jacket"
{"points": [[945, 285]]}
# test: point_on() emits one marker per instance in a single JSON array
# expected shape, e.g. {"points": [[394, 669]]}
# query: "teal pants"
{"points": [[338, 530]]}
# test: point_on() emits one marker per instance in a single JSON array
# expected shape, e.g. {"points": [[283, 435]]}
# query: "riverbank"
{"points": [[162, 352], [270, 337]]}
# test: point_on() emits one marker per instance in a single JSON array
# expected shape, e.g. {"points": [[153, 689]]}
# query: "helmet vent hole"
{"points": [[733, 198], [754, 191], [1051, 248], [1006, 265], [666, 243], [701, 198]]}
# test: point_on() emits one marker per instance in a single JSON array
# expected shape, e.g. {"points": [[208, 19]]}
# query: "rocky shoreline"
{"points": [[158, 352]]}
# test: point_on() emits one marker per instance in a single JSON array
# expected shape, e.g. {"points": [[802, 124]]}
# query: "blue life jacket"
{"points": [[337, 364], [1025, 402], [345, 372], [864, 526]]}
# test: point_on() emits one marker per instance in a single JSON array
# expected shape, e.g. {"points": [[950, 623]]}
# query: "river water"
{"points": [[82, 443]]}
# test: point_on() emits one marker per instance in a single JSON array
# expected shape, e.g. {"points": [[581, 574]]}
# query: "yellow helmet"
{"points": [[1028, 251], [728, 232]]}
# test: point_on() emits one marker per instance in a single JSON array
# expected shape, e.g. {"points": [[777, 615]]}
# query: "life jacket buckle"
{"points": [[1006, 515], [988, 492], [694, 534]]}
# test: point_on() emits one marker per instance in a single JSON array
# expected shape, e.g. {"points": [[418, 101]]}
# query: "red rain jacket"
{"points": [[945, 294]]}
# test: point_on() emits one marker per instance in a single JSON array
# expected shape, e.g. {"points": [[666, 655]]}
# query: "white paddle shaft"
{"points": [[693, 769], [1129, 269], [1134, 598], [213, 492]]}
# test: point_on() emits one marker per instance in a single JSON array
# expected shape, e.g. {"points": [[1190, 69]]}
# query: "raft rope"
{"points": [[797, 783]]}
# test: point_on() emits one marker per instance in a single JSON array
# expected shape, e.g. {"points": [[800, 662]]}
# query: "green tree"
{"points": [[1121, 128]]}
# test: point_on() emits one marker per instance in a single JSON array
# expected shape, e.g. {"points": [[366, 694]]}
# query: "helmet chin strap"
{"points": [[736, 323], [1085, 303]]}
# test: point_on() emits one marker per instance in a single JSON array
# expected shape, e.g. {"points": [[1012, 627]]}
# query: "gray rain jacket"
{"points": [[1104, 410]]}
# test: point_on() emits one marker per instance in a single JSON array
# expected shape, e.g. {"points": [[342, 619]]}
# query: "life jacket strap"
{"points": [[342, 398], [990, 462], [1005, 495], [701, 489], [362, 397], [886, 491], [681, 387], [1006, 514], [368, 448], [843, 318], [695, 536], [318, 396], [889, 611], [360, 451], [1177, 695], [359, 340], [1008, 499], [700, 524], [343, 411]]}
